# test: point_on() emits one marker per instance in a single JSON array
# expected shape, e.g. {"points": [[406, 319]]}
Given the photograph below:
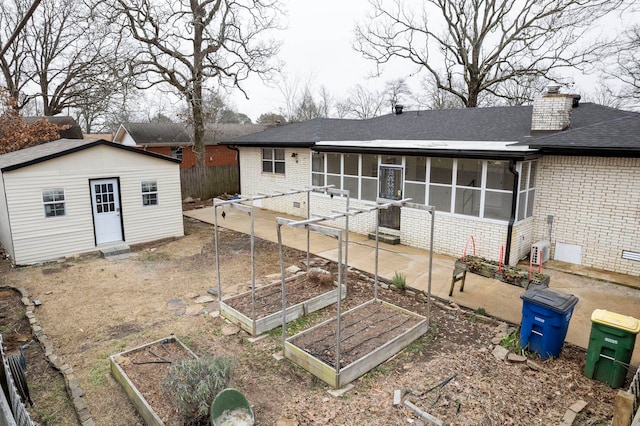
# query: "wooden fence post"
{"points": [[622, 409]]}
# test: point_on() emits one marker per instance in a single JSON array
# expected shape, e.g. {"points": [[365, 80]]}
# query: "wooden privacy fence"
{"points": [[209, 182], [13, 410]]}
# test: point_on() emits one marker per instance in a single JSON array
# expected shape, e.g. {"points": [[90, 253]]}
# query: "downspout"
{"points": [[512, 219], [237, 150]]}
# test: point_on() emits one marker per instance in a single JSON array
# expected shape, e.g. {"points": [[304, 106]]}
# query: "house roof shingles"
{"points": [[592, 127], [178, 134]]}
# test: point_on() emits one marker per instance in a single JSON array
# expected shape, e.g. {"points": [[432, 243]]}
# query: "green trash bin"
{"points": [[611, 343]]}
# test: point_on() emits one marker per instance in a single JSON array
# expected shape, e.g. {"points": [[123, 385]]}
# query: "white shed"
{"points": [[75, 196]]}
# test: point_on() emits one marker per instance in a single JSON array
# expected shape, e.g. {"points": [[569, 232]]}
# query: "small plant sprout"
{"points": [[399, 280]]}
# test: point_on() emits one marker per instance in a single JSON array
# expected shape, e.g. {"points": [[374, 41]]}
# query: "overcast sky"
{"points": [[317, 46]]}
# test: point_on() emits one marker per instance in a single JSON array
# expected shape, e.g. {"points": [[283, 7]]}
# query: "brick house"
{"points": [[558, 174], [174, 140]]}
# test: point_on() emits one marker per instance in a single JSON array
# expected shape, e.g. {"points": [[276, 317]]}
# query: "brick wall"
{"points": [[216, 155], [297, 176], [595, 202], [552, 112]]}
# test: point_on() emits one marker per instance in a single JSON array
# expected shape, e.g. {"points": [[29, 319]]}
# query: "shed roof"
{"points": [[47, 151]]}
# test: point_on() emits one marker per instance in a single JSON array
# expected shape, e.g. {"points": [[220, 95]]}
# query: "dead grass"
{"points": [[93, 308]]}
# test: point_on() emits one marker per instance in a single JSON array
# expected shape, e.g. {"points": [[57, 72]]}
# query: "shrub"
{"points": [[194, 383], [399, 280]]}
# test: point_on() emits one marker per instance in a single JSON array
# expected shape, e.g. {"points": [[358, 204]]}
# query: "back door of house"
{"points": [[390, 182], [105, 200]]}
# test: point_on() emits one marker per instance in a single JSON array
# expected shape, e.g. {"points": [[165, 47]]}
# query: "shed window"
{"points": [[53, 200], [149, 193], [273, 160]]}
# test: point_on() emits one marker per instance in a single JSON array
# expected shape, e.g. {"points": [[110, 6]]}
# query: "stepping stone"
{"points": [[230, 330], [516, 358], [193, 310], [293, 269], [500, 353], [176, 304], [205, 299], [213, 291]]}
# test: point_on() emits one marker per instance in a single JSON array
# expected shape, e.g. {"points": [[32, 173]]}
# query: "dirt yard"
{"points": [[93, 308]]}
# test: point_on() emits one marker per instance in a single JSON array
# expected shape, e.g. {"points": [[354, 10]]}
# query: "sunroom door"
{"points": [[390, 187]]}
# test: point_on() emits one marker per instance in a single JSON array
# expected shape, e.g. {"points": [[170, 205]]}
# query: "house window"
{"points": [[317, 169], [53, 201], [440, 183], [369, 179], [415, 173], [498, 191], [527, 189], [176, 152], [149, 193], [273, 160], [470, 187]]}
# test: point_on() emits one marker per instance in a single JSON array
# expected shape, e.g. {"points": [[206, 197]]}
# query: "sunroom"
{"points": [[484, 190]]}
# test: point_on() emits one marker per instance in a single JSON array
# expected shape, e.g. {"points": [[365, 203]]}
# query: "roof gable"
{"points": [[47, 151]]}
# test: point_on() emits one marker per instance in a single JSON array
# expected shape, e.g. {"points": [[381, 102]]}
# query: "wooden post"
{"points": [[622, 409]]}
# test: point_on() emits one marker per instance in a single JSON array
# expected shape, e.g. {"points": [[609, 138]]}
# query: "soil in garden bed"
{"points": [[363, 330], [147, 370], [268, 299]]}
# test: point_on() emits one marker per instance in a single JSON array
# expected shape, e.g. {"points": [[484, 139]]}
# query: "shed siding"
{"points": [[5, 226], [38, 239]]}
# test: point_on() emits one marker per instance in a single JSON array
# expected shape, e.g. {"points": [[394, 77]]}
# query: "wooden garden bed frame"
{"points": [[257, 326], [137, 399], [339, 377]]}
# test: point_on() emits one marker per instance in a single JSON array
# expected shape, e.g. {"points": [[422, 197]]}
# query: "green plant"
{"points": [[399, 280], [481, 311], [512, 343], [194, 383]]}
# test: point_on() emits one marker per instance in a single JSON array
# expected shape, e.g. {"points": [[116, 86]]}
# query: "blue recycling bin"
{"points": [[545, 320]]}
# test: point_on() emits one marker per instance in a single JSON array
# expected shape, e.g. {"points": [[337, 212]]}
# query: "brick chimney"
{"points": [[552, 112]]}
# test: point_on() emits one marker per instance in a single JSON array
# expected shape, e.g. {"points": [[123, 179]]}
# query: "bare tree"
{"points": [[430, 97], [186, 43], [474, 46], [62, 59], [395, 91], [361, 103], [12, 63], [628, 64]]}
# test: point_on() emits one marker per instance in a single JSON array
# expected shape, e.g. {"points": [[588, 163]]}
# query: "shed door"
{"points": [[105, 200]]}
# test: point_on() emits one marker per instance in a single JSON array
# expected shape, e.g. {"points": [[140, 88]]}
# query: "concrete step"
{"points": [[115, 250], [385, 238]]}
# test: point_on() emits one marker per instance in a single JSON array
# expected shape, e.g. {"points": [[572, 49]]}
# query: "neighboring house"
{"points": [[72, 131], [74, 196], [175, 140], [558, 172]]}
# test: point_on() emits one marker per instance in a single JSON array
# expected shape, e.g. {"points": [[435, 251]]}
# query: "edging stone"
{"points": [[75, 393]]}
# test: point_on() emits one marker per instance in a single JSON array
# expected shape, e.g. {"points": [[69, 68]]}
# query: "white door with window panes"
{"points": [[105, 200]]}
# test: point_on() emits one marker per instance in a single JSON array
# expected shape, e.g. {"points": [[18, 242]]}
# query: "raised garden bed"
{"points": [[305, 294], [141, 369], [507, 274], [370, 334]]}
